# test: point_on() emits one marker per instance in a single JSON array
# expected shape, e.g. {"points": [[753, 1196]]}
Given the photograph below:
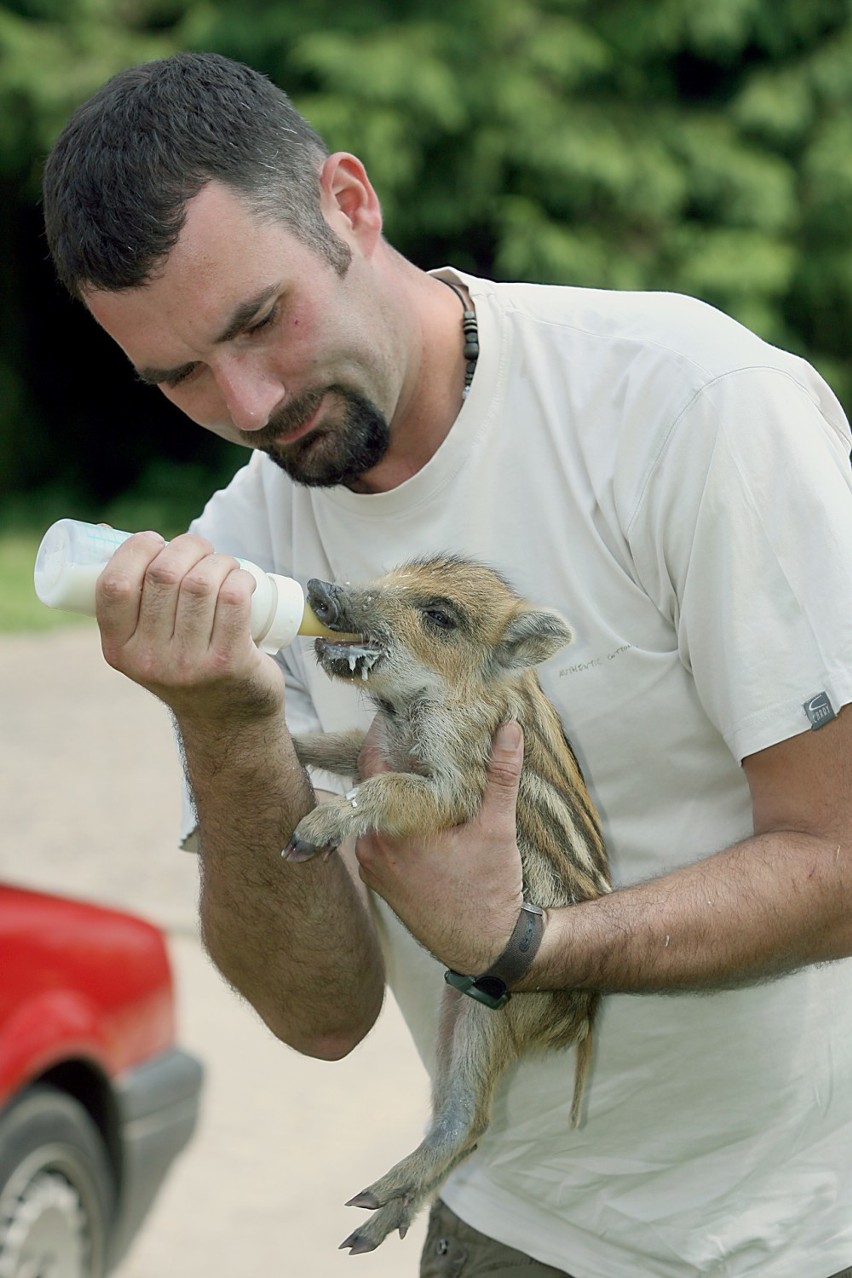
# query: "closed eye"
{"points": [[241, 323], [178, 377], [266, 322]]}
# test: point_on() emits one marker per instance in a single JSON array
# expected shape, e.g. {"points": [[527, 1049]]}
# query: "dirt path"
{"points": [[91, 808]]}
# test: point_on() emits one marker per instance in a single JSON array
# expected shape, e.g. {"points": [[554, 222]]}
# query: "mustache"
{"points": [[288, 418]]}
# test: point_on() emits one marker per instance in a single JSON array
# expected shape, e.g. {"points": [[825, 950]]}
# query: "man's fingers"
{"points": [[507, 759], [499, 803], [118, 592], [159, 595], [213, 604], [371, 759]]}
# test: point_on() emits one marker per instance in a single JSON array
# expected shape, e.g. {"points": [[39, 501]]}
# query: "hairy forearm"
{"points": [[766, 906], [295, 939]]}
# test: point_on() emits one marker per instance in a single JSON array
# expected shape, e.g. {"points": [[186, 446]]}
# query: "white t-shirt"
{"points": [[682, 493]]}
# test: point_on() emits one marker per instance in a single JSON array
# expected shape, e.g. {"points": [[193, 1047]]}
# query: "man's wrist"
{"points": [[494, 986]]}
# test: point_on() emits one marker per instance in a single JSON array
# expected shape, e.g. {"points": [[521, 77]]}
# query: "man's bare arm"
{"points": [[296, 940], [773, 903]]}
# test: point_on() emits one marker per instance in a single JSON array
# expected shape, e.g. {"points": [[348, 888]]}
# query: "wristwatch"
{"points": [[492, 988]]}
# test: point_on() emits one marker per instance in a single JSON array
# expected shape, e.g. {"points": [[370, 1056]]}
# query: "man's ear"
{"points": [[348, 201], [533, 635]]}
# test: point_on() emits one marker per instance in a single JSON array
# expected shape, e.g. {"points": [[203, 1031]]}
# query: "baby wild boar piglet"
{"points": [[446, 654]]}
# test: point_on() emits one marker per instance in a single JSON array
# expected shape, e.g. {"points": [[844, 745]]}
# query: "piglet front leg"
{"points": [[324, 828], [334, 751], [400, 804]]}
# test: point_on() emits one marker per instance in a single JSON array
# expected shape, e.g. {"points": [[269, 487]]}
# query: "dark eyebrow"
{"points": [[245, 313], [238, 322]]}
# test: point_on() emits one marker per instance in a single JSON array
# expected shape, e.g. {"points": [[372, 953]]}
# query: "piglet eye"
{"points": [[438, 617]]}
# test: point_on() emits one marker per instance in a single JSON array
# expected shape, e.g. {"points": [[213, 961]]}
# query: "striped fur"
{"points": [[447, 655]]}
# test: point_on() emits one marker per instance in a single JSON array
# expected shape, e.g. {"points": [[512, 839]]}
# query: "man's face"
{"points": [[258, 338]]}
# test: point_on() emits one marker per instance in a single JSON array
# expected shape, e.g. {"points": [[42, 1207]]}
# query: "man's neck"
{"points": [[432, 396]]}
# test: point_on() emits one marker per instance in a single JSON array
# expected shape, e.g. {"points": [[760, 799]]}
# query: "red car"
{"points": [[96, 1099]]}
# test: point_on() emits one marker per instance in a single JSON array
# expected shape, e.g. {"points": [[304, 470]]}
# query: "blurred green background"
{"points": [[631, 144]]}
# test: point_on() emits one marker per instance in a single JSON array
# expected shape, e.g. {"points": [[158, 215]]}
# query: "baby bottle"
{"points": [[73, 554]]}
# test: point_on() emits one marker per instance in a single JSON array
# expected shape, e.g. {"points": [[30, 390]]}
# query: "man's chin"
{"points": [[345, 445], [309, 464]]}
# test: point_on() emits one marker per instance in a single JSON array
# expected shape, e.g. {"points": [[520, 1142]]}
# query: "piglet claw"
{"points": [[357, 1245], [298, 850], [364, 1199]]}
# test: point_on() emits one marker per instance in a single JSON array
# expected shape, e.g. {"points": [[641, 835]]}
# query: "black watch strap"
{"points": [[493, 987]]}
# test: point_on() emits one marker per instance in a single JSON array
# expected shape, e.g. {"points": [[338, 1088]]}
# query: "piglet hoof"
{"points": [[394, 1215], [365, 1199], [357, 1244], [299, 849]]}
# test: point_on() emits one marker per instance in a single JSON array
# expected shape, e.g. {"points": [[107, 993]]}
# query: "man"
{"points": [[681, 492]]}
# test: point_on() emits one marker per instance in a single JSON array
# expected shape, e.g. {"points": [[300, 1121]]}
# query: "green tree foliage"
{"points": [[53, 54], [611, 143], [632, 144]]}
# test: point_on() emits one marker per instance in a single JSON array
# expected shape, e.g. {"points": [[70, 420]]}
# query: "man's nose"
{"points": [[251, 395]]}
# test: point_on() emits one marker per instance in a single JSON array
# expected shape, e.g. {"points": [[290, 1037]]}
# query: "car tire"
{"points": [[57, 1191]]}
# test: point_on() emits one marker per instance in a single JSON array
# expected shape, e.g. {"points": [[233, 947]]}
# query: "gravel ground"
{"points": [[91, 805]]}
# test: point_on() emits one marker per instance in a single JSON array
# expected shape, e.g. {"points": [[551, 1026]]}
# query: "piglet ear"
{"points": [[532, 635]]}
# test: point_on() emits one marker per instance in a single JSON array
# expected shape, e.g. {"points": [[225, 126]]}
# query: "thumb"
{"points": [[507, 760], [370, 757]]}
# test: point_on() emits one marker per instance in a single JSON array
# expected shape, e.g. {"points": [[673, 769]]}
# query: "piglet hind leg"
{"points": [[473, 1054]]}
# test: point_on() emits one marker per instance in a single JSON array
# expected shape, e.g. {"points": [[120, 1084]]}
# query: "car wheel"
{"points": [[56, 1189]]}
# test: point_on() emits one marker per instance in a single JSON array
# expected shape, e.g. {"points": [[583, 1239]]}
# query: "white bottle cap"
{"points": [[287, 616], [277, 608]]}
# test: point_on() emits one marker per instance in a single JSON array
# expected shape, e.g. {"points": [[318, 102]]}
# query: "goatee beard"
{"points": [[339, 453]]}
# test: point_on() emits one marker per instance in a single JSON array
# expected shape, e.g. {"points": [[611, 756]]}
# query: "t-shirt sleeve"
{"points": [[743, 537]]}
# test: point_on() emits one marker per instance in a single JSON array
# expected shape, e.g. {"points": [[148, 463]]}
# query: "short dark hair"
{"points": [[118, 178]]}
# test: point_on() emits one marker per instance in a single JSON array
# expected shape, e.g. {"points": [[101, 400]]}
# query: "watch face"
{"points": [[493, 988], [488, 990]]}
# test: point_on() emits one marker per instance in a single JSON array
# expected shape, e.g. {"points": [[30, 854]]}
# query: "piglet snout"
{"points": [[325, 599]]}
